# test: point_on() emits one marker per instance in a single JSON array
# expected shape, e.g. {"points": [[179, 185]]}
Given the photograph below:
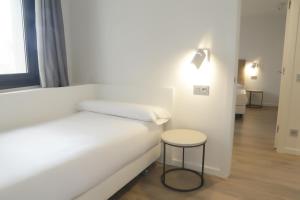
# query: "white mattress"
{"points": [[60, 160], [241, 96]]}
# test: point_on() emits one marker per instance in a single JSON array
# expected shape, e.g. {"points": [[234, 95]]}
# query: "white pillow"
{"points": [[127, 110]]}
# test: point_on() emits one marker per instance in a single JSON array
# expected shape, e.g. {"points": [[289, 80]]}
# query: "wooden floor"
{"points": [[258, 172]]}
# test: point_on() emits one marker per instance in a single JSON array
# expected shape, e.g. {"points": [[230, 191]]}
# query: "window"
{"points": [[18, 46]]}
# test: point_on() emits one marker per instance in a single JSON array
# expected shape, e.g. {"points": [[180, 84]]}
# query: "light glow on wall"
{"points": [[252, 69]]}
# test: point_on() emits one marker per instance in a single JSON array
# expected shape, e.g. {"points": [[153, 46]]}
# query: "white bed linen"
{"points": [[127, 110], [241, 96], [60, 160]]}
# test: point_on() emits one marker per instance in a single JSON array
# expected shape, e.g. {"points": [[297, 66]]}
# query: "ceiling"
{"points": [[263, 7]]}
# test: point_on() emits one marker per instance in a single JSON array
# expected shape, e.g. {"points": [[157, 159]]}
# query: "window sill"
{"points": [[19, 89]]}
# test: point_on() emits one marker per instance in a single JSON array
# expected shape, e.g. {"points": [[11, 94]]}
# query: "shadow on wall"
{"points": [[204, 75]]}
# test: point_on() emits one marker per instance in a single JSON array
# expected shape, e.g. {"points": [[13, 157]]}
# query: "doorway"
{"points": [[262, 46]]}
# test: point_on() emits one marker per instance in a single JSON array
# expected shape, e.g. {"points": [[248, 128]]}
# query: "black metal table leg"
{"points": [[203, 158], [164, 164], [182, 157], [201, 175]]}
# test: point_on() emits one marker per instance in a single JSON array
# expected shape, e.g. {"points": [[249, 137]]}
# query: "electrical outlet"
{"points": [[298, 77], [294, 132], [201, 90]]}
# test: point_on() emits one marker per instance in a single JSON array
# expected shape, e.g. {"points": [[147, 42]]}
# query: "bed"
{"points": [[71, 155], [241, 100], [90, 154]]}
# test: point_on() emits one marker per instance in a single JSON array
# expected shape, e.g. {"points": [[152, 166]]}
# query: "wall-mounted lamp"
{"points": [[253, 70], [200, 57]]}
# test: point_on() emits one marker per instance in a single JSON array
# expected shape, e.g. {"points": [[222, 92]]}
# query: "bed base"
{"points": [[114, 183], [240, 109]]}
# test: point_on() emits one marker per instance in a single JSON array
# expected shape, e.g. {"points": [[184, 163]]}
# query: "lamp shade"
{"points": [[200, 57]]}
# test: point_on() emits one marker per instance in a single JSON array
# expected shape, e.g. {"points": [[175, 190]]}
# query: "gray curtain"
{"points": [[51, 44]]}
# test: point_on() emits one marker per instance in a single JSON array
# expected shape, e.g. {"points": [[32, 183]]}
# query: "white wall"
{"points": [[262, 38], [151, 43]]}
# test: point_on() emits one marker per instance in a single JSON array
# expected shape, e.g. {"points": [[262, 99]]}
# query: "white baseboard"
{"points": [[270, 104], [289, 150], [195, 166]]}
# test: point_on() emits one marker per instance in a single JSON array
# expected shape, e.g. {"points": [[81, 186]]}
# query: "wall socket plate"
{"points": [[294, 132], [201, 90], [298, 77]]}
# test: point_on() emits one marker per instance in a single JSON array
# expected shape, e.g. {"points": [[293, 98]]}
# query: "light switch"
{"points": [[201, 90]]}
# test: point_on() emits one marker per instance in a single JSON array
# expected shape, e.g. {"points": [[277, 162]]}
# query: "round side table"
{"points": [[182, 138]]}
